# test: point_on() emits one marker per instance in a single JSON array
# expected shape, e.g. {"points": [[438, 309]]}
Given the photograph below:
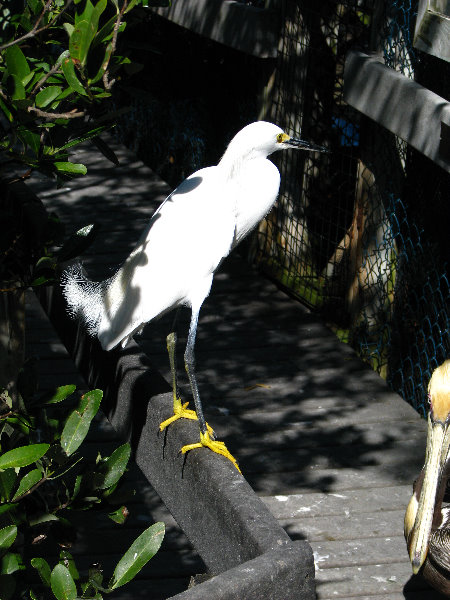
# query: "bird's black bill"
{"points": [[302, 145]]}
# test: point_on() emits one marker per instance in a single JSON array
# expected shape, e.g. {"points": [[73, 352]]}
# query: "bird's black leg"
{"points": [[206, 434], [189, 362]]}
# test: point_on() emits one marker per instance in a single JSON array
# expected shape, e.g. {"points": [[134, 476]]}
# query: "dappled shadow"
{"points": [[297, 407]]}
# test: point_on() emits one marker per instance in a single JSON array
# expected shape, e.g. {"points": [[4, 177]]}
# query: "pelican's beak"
{"points": [[421, 507], [302, 145]]}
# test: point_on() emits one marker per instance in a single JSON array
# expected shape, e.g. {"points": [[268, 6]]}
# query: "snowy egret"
{"points": [[174, 262]]}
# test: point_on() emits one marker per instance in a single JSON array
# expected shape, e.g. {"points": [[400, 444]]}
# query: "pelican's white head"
{"points": [[427, 497]]}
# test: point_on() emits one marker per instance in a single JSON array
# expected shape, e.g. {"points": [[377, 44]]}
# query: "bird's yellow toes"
{"points": [[180, 411], [214, 445]]}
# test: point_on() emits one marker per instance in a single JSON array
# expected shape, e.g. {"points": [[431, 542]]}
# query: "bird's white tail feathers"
{"points": [[85, 298]]}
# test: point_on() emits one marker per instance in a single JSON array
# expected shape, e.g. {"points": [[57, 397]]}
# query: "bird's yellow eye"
{"points": [[282, 137]]}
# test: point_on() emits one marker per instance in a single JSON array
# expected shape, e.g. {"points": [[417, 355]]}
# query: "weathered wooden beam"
{"points": [[432, 32], [246, 28], [404, 107]]}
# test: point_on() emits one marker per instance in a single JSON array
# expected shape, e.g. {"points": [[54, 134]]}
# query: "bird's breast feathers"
{"points": [[257, 190]]}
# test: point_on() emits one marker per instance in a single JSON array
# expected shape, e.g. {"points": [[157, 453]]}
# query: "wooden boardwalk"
{"points": [[317, 434]]}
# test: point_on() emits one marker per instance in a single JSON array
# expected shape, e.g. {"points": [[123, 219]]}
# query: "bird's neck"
{"points": [[232, 164]]}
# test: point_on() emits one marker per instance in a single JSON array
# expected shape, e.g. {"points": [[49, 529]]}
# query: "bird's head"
{"points": [[260, 139], [424, 508]]}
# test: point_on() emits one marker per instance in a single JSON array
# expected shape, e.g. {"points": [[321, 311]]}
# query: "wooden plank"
{"points": [[243, 27], [366, 500], [345, 553], [432, 31], [398, 103], [346, 525], [371, 580], [326, 480]]}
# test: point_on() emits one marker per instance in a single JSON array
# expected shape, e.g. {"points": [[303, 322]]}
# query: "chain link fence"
{"points": [[360, 235]]}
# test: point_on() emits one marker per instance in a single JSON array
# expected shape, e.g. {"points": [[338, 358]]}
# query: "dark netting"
{"points": [[361, 234]]}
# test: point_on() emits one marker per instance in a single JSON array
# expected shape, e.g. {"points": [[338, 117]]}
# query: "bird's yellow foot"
{"points": [[180, 411], [214, 445]]}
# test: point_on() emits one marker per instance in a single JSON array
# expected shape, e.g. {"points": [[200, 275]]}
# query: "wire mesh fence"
{"points": [[360, 235]]}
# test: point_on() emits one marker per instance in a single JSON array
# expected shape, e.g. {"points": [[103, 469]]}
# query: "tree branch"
{"points": [[108, 84], [47, 115], [33, 32], [52, 71]]}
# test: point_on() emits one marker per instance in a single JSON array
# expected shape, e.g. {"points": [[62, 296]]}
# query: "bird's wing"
{"points": [[185, 241]]}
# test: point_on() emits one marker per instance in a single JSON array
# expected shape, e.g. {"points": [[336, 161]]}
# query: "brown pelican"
{"points": [[427, 521]]}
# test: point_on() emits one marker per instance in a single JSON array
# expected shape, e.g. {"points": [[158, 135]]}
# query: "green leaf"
{"points": [[69, 28], [77, 486], [7, 507], [43, 518], [42, 280], [8, 114], [8, 479], [16, 63], [81, 39], [63, 586], [106, 150], [138, 554], [47, 95], [79, 421], [26, 80], [78, 242], [23, 456], [95, 577], [15, 87], [119, 516], [66, 559], [87, 136], [68, 68], [11, 562], [7, 536], [43, 568], [60, 394], [85, 29], [69, 167], [30, 139], [114, 467], [35, 6], [27, 482]]}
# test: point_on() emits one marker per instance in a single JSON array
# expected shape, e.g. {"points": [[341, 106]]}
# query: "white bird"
{"points": [[174, 262]]}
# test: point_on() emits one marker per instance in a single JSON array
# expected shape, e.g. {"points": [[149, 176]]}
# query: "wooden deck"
{"points": [[318, 435]]}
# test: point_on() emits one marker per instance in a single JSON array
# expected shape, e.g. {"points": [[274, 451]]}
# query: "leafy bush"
{"points": [[58, 64], [43, 478]]}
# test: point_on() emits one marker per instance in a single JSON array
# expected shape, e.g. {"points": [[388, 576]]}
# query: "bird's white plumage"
{"points": [[186, 240]]}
